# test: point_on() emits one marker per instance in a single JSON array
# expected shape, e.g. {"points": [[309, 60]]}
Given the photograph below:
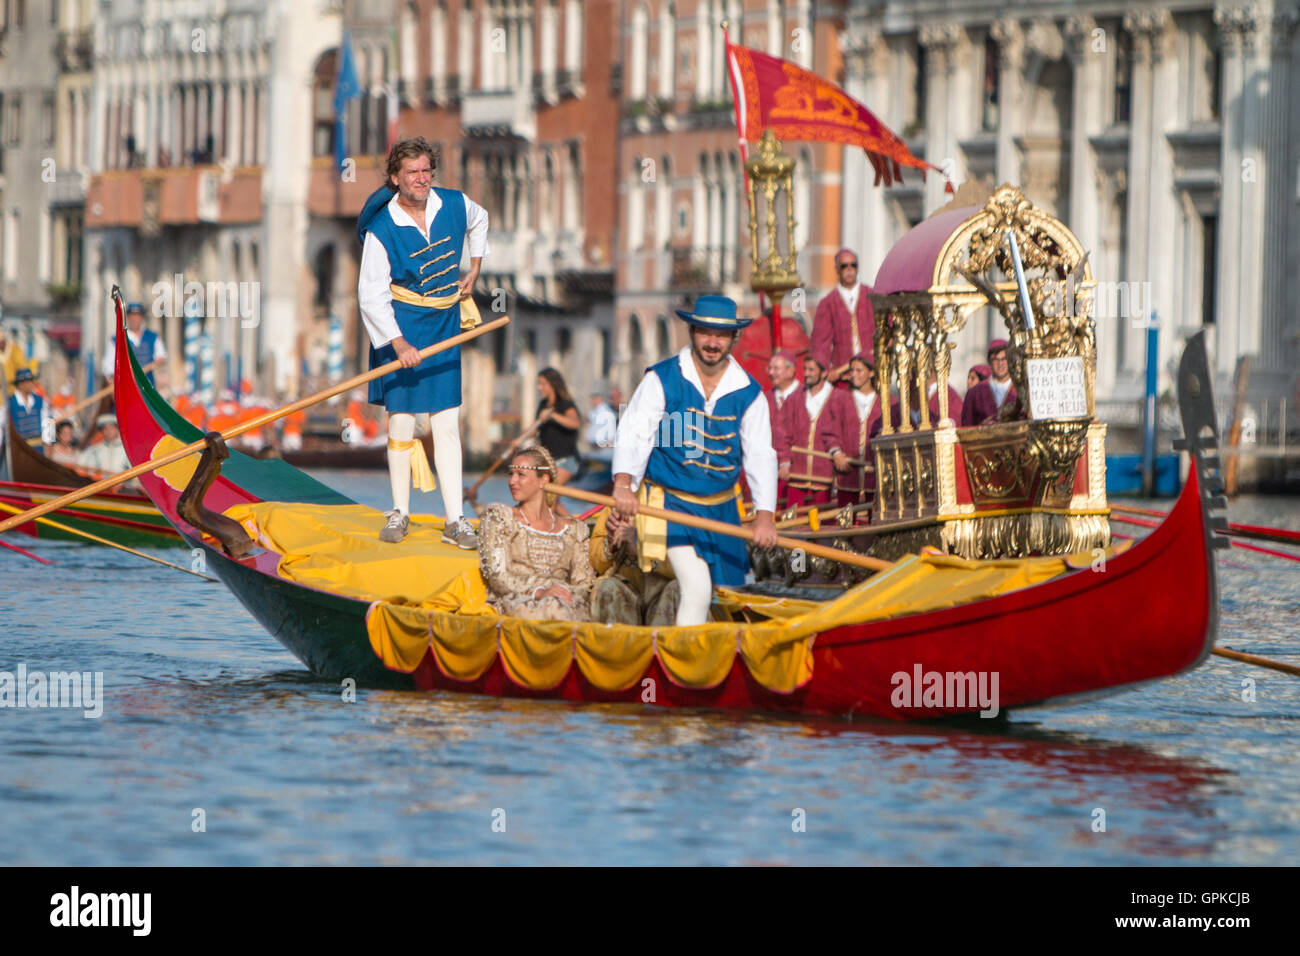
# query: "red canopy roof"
{"points": [[909, 266]]}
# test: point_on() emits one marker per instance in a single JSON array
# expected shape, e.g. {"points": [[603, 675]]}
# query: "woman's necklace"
{"points": [[529, 523]]}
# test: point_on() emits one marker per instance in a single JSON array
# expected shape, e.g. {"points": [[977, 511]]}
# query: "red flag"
{"points": [[796, 104]]}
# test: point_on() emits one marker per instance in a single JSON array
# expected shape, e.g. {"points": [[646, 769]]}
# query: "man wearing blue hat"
{"points": [[694, 423], [29, 412], [145, 343]]}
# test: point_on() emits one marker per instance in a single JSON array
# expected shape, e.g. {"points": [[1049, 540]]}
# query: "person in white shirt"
{"points": [[147, 344], [696, 421], [106, 457], [412, 296]]}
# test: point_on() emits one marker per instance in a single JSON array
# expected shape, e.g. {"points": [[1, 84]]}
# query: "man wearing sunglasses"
{"points": [[844, 325]]}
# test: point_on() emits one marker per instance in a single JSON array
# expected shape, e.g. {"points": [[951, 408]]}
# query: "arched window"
{"points": [[323, 270], [635, 342], [322, 139], [663, 203], [663, 338], [635, 208], [667, 50], [637, 69], [407, 51]]}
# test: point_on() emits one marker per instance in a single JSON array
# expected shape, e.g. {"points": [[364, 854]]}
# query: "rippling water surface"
{"points": [[204, 711]]}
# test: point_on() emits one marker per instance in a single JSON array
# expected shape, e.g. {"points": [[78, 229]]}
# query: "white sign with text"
{"points": [[1056, 387]]}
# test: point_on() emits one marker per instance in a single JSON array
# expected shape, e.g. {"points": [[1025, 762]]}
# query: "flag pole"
{"points": [[744, 155]]}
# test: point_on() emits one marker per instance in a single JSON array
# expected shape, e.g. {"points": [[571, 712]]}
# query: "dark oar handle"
{"points": [[250, 425], [731, 530]]}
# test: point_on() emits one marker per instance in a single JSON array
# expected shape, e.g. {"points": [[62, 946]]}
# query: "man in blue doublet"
{"points": [[412, 296], [147, 344], [695, 423]]}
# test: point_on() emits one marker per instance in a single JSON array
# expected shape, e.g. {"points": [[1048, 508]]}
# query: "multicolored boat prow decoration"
{"points": [[1032, 631]]}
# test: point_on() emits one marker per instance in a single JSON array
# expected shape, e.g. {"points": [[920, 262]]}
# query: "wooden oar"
{"points": [[24, 552], [1257, 660], [252, 423], [112, 544], [730, 530], [472, 492], [825, 454], [1236, 544], [1260, 532], [98, 396]]}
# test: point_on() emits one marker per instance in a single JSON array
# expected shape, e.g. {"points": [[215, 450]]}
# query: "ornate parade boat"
{"points": [[306, 563], [123, 517], [1032, 482]]}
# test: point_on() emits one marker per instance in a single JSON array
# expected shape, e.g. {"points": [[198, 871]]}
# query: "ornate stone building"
{"points": [[1165, 134], [684, 225]]}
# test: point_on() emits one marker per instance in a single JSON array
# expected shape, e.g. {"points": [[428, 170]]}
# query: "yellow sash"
{"points": [[652, 533], [469, 315], [421, 473]]}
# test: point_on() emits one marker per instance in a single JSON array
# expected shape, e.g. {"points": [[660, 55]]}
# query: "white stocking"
{"points": [[692, 573], [447, 460], [401, 427]]}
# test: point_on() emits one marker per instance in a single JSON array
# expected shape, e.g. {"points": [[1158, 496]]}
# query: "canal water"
{"points": [[215, 746]]}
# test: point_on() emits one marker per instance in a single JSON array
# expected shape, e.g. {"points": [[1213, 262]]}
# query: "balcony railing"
{"points": [[506, 113]]}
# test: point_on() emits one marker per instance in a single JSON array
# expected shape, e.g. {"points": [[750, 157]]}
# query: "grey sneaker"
{"points": [[396, 528], [461, 534]]}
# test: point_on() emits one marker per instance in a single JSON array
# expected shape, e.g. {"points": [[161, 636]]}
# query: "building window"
{"points": [[13, 119], [667, 44], [573, 39], [1123, 76], [637, 79], [322, 140], [989, 111], [1209, 267], [606, 353]]}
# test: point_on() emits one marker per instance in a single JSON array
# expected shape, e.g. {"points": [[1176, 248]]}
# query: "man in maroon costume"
{"points": [[985, 399], [781, 368], [808, 477], [844, 325]]}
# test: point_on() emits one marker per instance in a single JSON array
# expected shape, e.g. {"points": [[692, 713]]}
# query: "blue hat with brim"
{"points": [[23, 375], [134, 307], [714, 312]]}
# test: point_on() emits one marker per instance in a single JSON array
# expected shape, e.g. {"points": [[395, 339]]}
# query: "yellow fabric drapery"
{"points": [[469, 314], [429, 598], [421, 473]]}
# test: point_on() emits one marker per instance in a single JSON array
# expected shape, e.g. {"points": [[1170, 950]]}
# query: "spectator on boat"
{"points": [[624, 593], [849, 433], [107, 456], [145, 343], [28, 410], [602, 429], [411, 298], [62, 400], [720, 418], [64, 450], [534, 562], [558, 432], [985, 400], [977, 374], [808, 477], [781, 371], [844, 324]]}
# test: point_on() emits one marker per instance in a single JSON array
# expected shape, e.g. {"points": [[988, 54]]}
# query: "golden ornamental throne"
{"points": [[1034, 481]]}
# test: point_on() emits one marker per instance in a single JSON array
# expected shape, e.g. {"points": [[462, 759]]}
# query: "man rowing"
{"points": [[412, 296], [694, 423]]}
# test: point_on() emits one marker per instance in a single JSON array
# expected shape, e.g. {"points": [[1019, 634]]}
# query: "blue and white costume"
{"points": [[695, 449], [147, 346]]}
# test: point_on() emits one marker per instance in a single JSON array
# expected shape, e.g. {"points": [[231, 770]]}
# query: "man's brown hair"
{"points": [[405, 149]]}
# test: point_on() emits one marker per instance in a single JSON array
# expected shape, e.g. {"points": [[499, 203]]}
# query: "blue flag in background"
{"points": [[347, 87]]}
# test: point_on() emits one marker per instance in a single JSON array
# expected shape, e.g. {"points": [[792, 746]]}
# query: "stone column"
{"points": [[1151, 211], [218, 121], [1010, 38], [940, 42], [867, 222], [235, 108], [1088, 119], [1233, 22], [1277, 168]]}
